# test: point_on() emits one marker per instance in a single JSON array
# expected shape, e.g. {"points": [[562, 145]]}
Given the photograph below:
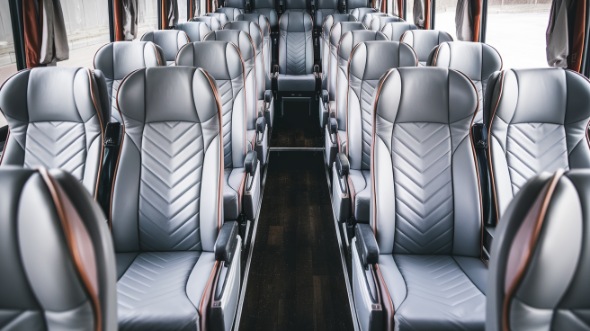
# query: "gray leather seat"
{"points": [[368, 18], [424, 41], [535, 127], [296, 5], [212, 22], [267, 49], [58, 264], [540, 262], [230, 12], [328, 22], [296, 53], [323, 9], [377, 23], [241, 189], [178, 262], [196, 31], [368, 62], [360, 12], [476, 60], [423, 270], [267, 9], [264, 96], [256, 129], [222, 18], [329, 96], [395, 30], [170, 41], [231, 9], [56, 117], [335, 134], [118, 59]]}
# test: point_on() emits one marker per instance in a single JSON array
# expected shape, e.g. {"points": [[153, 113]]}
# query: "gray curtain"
{"points": [[129, 19], [420, 13], [558, 34], [172, 6], [464, 20], [54, 38]]}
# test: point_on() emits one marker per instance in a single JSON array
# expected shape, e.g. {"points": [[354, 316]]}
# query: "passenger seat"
{"points": [[267, 9], [170, 41], [335, 131], [417, 265], [56, 118], [196, 31], [534, 128], [540, 258], [368, 62], [296, 67], [232, 9], [212, 22], [360, 12], [58, 264], [323, 9], [118, 59], [424, 41], [222, 60], [222, 18], [395, 30], [378, 22], [178, 262]]}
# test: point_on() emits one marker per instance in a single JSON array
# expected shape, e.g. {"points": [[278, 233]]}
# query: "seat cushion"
{"points": [[232, 192], [162, 290], [436, 292], [297, 83], [358, 182]]}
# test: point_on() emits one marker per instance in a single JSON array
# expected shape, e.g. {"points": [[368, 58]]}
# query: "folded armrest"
{"points": [[366, 245], [342, 165], [226, 243], [267, 97], [325, 97], [251, 162], [333, 123]]}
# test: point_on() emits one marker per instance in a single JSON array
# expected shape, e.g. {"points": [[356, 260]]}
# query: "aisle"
{"points": [[296, 280]]}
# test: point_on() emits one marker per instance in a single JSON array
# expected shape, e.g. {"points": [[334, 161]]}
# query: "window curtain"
{"points": [[125, 19], [169, 10], [194, 8], [566, 33], [45, 36], [422, 13], [468, 20]]}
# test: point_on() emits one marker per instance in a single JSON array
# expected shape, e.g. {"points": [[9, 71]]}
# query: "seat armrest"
{"points": [[226, 243], [488, 238], [342, 165], [333, 124], [267, 97], [366, 245], [325, 97], [260, 123], [251, 162]]}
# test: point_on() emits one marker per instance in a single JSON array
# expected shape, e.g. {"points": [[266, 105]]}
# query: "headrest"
{"points": [[394, 30], [378, 22], [221, 17], [295, 21], [341, 28], [251, 28], [424, 41], [169, 40], [426, 94], [196, 31], [239, 38], [227, 63], [261, 20], [367, 60], [352, 38], [117, 59], [476, 60], [212, 22], [168, 94], [330, 20]]}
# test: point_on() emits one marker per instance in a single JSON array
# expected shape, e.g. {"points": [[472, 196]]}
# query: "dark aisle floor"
{"points": [[297, 127], [296, 280]]}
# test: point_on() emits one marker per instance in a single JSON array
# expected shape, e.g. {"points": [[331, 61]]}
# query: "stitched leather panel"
{"points": [[115, 116], [170, 186], [21, 320], [421, 156], [59, 145], [479, 115], [439, 295], [367, 99], [152, 292], [226, 94], [296, 52], [532, 148]]}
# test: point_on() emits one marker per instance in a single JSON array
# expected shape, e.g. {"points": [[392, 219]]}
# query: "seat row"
{"points": [[169, 152], [409, 181]]}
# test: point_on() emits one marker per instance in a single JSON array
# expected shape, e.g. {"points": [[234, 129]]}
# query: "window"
{"points": [[147, 16], [87, 26], [409, 11], [517, 30], [7, 57], [182, 6], [445, 16]]}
